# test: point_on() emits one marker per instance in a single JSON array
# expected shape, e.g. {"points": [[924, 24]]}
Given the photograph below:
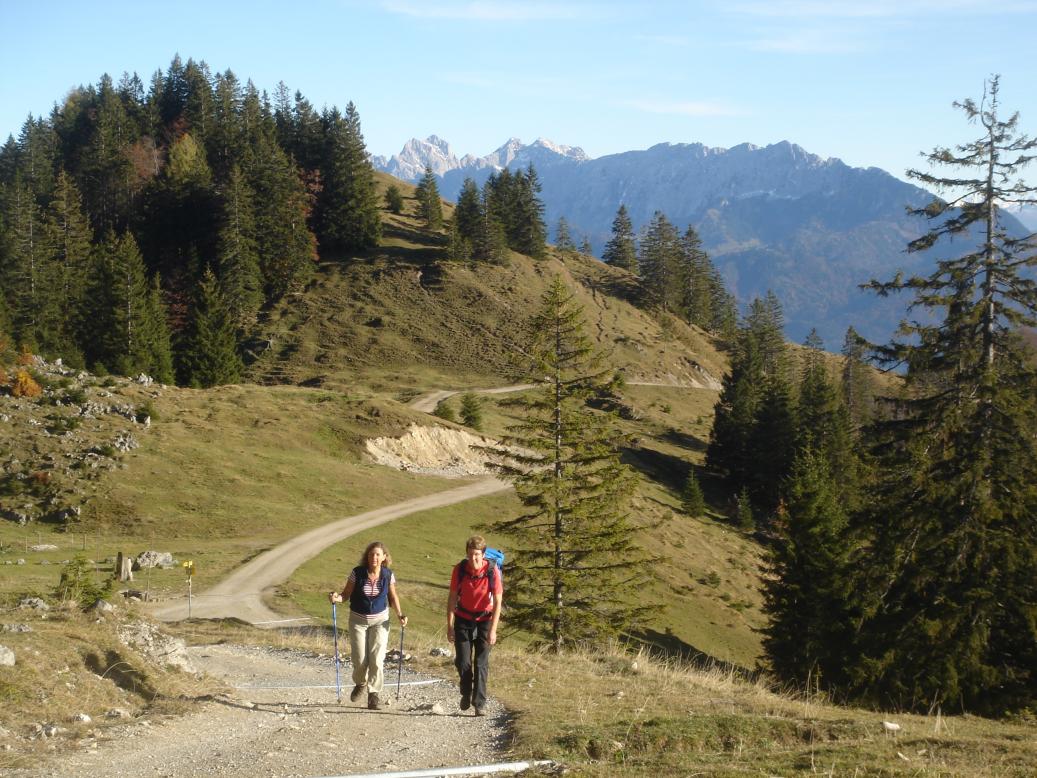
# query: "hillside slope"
{"points": [[406, 317]]}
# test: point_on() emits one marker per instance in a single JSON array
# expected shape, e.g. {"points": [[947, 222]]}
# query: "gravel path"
{"points": [[253, 731]]}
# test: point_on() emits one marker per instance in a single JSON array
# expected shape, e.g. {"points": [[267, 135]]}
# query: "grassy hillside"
{"points": [[405, 319]]}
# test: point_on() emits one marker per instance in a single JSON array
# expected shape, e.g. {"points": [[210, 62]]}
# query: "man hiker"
{"points": [[472, 613]]}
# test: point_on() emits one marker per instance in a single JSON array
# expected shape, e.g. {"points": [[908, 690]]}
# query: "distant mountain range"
{"points": [[775, 217]]}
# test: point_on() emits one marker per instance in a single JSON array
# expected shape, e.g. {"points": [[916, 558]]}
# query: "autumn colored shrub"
{"points": [[25, 357], [24, 385]]}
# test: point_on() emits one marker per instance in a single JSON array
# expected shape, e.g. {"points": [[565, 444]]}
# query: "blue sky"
{"points": [[869, 82]]}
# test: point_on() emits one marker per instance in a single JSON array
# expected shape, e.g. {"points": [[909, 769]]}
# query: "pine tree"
{"points": [[744, 517], [22, 261], [563, 237], [659, 264], [286, 247], [67, 235], [430, 205], [692, 501], [735, 413], [574, 559], [348, 204], [240, 280], [771, 446], [225, 140], [491, 238], [210, 356], [524, 218], [471, 411], [856, 384], [394, 199], [824, 422], [621, 249], [158, 341], [585, 246], [119, 326], [951, 554], [468, 213], [807, 593]]}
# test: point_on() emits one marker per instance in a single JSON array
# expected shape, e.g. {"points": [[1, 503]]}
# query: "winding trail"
{"points": [[241, 594]]}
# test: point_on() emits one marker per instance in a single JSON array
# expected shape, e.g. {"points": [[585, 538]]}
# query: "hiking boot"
{"points": [[357, 693], [466, 701], [480, 710], [373, 703]]}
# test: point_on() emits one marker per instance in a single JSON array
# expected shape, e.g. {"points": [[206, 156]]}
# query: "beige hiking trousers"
{"points": [[367, 645]]}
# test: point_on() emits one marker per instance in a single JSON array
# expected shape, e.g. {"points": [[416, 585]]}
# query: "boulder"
{"points": [[147, 559], [44, 547], [6, 657], [33, 602]]}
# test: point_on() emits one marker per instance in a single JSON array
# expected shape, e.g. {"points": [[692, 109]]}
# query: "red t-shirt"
{"points": [[476, 592]]}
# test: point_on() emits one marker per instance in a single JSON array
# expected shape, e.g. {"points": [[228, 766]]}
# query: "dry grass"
{"points": [[609, 712], [73, 662]]}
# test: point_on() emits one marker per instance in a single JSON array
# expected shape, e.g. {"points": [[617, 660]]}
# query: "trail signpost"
{"points": [[189, 569]]}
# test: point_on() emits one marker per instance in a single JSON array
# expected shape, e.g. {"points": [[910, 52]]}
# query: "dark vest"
{"points": [[360, 602]]}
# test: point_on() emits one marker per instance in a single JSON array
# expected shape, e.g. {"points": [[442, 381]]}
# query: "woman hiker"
{"points": [[371, 590], [472, 613]]}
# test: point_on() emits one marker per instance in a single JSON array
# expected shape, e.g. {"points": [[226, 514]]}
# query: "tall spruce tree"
{"points": [[209, 352], [660, 264], [574, 558], [430, 205], [240, 280], [807, 593], [286, 247], [621, 249], [856, 383], [67, 234], [122, 328], [951, 553], [468, 211], [22, 261]]}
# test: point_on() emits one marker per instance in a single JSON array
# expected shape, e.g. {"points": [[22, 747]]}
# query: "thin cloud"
{"points": [[880, 9], [678, 41], [683, 108], [487, 11], [806, 42]]}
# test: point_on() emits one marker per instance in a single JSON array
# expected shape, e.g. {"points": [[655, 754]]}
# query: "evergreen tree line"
{"points": [[905, 577], [506, 214], [676, 273], [201, 198]]}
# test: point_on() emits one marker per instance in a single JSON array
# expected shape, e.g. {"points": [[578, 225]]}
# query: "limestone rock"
{"points": [[6, 657]]}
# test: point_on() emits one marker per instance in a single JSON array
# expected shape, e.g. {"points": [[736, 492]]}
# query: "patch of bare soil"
{"points": [[435, 450]]}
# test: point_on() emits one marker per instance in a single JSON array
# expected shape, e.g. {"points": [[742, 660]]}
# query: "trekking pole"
{"points": [[399, 671], [338, 682]]}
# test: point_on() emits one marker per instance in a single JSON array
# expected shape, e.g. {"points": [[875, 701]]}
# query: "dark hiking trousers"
{"points": [[472, 640]]}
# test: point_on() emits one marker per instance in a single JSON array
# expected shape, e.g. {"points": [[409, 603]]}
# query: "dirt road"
{"points": [[241, 594], [279, 717]]}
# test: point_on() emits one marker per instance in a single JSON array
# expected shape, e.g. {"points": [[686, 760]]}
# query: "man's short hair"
{"points": [[477, 542]]}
